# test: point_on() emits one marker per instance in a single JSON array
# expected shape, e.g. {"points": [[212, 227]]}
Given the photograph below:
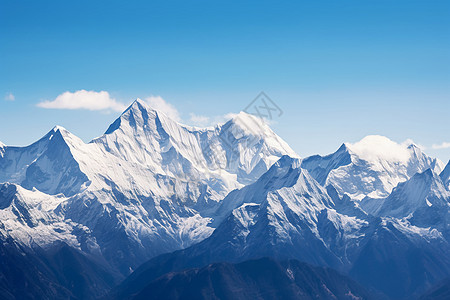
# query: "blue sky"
{"points": [[340, 70]]}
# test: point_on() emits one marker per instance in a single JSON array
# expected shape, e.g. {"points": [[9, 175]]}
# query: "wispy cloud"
{"points": [[204, 121], [10, 97], [444, 145], [103, 102], [158, 103], [82, 99]]}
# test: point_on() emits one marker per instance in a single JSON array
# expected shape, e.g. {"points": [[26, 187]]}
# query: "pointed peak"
{"points": [[413, 146], [140, 105], [249, 124], [60, 132], [137, 105], [138, 115], [343, 148], [143, 108], [139, 101], [58, 128]]}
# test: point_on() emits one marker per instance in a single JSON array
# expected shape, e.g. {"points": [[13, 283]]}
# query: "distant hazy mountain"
{"points": [[59, 272], [255, 279]]}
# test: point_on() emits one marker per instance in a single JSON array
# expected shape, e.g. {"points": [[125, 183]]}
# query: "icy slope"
{"points": [[29, 218], [240, 150], [48, 165], [372, 167], [286, 213], [423, 201]]}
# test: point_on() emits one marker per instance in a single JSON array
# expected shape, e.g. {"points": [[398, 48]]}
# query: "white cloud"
{"points": [[83, 99], [444, 145], [158, 103], [10, 97], [375, 147], [102, 101]]}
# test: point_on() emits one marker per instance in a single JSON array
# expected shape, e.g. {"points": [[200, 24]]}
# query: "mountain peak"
{"points": [[138, 115], [249, 124], [60, 131], [136, 106], [424, 190], [139, 105], [59, 128]]}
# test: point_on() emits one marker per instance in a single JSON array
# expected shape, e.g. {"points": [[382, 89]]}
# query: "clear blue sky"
{"points": [[340, 70]]}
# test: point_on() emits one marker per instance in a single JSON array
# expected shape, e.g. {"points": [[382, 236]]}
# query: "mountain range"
{"points": [[154, 203]]}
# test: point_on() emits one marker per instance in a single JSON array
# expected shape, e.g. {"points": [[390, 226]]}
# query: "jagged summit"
{"points": [[371, 167], [151, 185], [423, 199], [60, 132], [136, 115], [285, 179], [58, 128]]}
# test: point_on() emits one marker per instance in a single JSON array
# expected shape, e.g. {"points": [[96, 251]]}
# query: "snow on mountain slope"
{"points": [[147, 186], [48, 165], [240, 150], [150, 185], [423, 200], [371, 167], [29, 218], [286, 213]]}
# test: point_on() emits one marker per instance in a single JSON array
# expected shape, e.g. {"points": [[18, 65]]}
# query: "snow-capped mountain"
{"points": [[288, 214], [423, 201], [48, 164], [29, 217], [147, 186], [371, 167], [231, 192]]}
